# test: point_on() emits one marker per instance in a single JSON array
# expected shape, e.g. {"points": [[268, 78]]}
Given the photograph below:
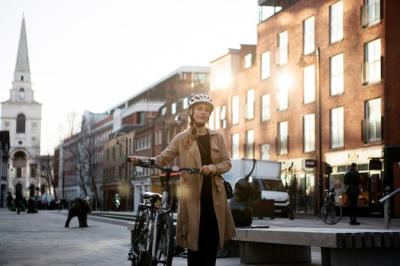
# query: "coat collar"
{"points": [[193, 148]]}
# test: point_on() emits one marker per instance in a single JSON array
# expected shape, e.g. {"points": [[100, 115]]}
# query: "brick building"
{"points": [[317, 93]]}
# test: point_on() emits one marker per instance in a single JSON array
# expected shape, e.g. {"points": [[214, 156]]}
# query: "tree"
{"points": [[46, 172], [87, 164]]}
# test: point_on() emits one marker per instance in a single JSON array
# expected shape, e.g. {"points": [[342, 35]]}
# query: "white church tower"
{"points": [[21, 116]]}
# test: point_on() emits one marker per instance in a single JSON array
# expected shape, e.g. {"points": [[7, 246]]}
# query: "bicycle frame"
{"points": [[155, 218]]}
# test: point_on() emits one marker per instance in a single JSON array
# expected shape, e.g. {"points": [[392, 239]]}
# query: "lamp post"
{"points": [[319, 133]]}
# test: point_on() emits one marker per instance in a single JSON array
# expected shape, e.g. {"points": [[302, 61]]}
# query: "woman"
{"points": [[204, 219]]}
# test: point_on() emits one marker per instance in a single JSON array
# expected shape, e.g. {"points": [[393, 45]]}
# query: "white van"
{"points": [[268, 176]]}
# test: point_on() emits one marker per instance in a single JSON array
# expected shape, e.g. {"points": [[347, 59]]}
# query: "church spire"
{"points": [[22, 69]]}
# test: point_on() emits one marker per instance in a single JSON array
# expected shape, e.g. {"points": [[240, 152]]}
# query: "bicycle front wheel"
{"points": [[331, 213], [138, 252], [165, 241]]}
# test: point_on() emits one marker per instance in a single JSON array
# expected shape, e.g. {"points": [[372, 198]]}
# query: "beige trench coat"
{"points": [[185, 146]]}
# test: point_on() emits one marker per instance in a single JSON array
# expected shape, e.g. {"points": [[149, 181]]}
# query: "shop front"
{"points": [[372, 188], [299, 180]]}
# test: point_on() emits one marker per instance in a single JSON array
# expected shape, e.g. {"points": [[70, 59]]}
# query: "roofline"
{"points": [[229, 51], [204, 69]]}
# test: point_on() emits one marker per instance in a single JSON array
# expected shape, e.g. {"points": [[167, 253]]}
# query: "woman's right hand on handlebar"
{"points": [[136, 160]]}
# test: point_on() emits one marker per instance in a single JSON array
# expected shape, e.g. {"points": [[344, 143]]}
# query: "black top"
{"points": [[206, 189]]}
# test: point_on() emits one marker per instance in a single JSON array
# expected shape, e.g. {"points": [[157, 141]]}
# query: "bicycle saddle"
{"points": [[152, 196]]}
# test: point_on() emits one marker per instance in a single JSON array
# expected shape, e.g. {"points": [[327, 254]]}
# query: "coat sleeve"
{"points": [[225, 164], [169, 153]]}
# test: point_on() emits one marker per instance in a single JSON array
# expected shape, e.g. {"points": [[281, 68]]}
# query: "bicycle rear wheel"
{"points": [[165, 241], [331, 213]]}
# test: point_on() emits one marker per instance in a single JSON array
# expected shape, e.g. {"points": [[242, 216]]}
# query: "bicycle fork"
{"points": [[154, 238]]}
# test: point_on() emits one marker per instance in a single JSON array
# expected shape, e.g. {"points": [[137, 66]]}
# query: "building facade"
{"points": [[317, 94], [21, 116]]}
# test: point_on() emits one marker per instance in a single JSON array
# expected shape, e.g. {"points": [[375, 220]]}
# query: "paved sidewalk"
{"points": [[41, 239]]}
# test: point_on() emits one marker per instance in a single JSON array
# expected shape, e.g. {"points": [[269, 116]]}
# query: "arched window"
{"points": [[21, 123]]}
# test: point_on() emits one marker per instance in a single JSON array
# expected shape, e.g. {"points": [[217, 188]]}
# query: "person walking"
{"points": [[10, 201], [19, 200], [204, 219], [352, 181]]}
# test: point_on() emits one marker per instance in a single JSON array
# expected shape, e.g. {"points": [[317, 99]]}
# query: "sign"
{"points": [[375, 164], [310, 163]]}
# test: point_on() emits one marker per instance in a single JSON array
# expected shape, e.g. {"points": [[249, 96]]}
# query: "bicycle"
{"points": [[331, 211], [153, 233]]}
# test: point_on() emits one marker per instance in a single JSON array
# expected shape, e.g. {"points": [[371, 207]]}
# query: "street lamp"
{"points": [[126, 152]]}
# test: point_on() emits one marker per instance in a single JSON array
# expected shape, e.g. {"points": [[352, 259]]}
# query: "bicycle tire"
{"points": [[139, 240], [165, 241], [331, 213]]}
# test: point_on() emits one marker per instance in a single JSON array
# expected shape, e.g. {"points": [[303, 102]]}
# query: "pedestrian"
{"points": [[19, 199], [10, 200], [352, 181], [204, 220]]}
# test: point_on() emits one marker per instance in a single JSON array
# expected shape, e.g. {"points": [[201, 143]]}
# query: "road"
{"points": [[41, 239]]}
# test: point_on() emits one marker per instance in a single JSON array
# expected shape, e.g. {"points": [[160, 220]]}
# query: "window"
{"points": [[173, 108], [337, 127], [33, 168], [235, 146], [235, 110], [282, 138], [163, 110], [265, 152], [309, 132], [250, 144], [282, 98], [372, 62], [223, 116], [336, 22], [337, 79], [309, 84], [20, 123], [250, 104], [371, 12], [248, 60], [211, 120], [309, 35], [217, 112], [19, 172], [265, 65], [372, 123], [283, 50], [266, 105], [185, 103]]}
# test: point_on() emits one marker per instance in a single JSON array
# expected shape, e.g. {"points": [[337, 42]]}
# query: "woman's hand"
{"points": [[136, 159], [208, 169]]}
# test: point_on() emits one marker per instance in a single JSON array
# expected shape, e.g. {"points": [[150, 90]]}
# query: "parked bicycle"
{"points": [[153, 233], [331, 211]]}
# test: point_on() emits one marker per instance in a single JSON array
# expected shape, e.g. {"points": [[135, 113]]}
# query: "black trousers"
{"points": [[353, 201], [208, 241]]}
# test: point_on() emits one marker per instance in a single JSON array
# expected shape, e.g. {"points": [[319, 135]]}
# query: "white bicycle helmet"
{"points": [[201, 98]]}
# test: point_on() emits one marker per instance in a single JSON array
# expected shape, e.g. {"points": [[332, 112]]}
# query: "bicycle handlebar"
{"points": [[150, 163]]}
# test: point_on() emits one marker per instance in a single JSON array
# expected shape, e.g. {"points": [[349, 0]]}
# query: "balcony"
{"points": [[268, 8], [372, 130]]}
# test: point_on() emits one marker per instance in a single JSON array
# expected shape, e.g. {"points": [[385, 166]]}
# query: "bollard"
{"points": [[386, 210]]}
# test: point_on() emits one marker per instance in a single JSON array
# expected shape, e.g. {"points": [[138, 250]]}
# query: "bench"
{"points": [[342, 247]]}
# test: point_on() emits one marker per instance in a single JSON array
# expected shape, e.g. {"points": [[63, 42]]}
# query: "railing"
{"points": [[386, 207]]}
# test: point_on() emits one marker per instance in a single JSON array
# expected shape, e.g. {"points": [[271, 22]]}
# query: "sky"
{"points": [[93, 54]]}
